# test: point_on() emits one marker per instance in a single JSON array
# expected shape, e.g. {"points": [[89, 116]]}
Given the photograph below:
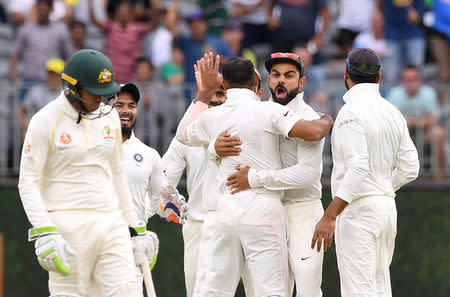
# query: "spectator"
{"points": [[214, 14], [81, 10], [36, 43], [404, 38], [419, 105], [253, 15], [62, 11], [19, 11], [294, 21], [314, 93], [352, 20], [374, 38], [439, 37], [196, 45], [172, 72], [142, 9], [152, 105], [123, 39], [22, 11], [78, 35], [233, 35], [158, 44], [41, 94]]}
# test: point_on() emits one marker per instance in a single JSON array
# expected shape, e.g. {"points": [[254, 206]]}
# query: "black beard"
{"points": [[127, 130], [289, 97]]}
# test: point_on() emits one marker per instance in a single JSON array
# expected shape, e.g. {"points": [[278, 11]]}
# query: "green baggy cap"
{"points": [[92, 71]]}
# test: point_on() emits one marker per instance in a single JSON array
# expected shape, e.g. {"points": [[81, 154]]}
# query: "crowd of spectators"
{"points": [[155, 44]]}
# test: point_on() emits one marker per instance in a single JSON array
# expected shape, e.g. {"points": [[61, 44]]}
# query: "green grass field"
{"points": [[420, 266]]}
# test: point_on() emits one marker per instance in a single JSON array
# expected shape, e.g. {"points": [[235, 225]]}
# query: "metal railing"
{"points": [[157, 125]]}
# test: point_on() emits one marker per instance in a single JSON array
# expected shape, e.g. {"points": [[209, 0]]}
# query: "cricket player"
{"points": [[300, 177], [373, 157], [177, 158], [250, 226], [74, 190]]}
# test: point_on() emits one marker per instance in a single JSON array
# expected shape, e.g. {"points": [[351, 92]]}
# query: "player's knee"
{"points": [[131, 289]]}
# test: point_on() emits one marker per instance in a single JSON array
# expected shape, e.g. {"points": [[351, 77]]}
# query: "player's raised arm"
{"points": [[208, 80]]}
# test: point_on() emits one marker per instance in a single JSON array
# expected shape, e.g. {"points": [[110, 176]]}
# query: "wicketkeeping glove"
{"points": [[173, 206], [51, 249], [145, 244]]}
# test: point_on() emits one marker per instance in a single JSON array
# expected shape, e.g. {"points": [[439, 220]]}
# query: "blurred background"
{"points": [[154, 43]]}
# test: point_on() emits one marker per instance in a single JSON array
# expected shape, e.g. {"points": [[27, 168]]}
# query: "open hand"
{"points": [[207, 78], [225, 145]]}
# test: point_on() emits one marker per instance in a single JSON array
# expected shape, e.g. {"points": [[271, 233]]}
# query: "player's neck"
{"points": [[125, 137]]}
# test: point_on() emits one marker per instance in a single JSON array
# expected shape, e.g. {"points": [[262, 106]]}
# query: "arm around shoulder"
{"points": [[312, 130]]}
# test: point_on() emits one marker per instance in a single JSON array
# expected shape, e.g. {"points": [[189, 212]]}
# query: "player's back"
{"points": [[384, 127], [258, 125]]}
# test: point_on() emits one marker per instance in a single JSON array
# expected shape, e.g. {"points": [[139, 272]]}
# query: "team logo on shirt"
{"points": [[27, 149], [65, 138], [104, 76], [138, 157], [106, 132], [348, 121]]}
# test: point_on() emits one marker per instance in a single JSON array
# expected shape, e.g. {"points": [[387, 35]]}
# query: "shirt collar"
{"points": [[296, 102], [362, 88], [238, 95], [131, 139]]}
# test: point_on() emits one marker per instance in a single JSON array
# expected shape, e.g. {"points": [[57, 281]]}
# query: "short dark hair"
{"points": [[76, 23], [48, 2], [238, 72], [143, 60], [410, 67]]}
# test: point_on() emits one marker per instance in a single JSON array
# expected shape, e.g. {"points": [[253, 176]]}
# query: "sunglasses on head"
{"points": [[285, 55]]}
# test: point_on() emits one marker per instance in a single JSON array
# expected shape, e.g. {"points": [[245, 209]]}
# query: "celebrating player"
{"points": [[250, 226], [300, 176], [74, 190]]}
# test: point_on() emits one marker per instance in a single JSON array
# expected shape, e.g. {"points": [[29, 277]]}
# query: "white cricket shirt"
{"points": [[373, 154], [67, 166], [257, 123], [178, 157], [145, 176], [301, 160]]}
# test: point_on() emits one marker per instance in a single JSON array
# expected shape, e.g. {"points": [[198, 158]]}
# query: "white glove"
{"points": [[51, 249], [145, 244], [173, 206]]}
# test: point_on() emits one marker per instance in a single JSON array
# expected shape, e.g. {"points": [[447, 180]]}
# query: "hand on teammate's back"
{"points": [[238, 181], [226, 145]]}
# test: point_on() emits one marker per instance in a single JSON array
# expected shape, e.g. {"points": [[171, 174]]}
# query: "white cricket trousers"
{"points": [[305, 263], [256, 236], [365, 239], [191, 238], [104, 257]]}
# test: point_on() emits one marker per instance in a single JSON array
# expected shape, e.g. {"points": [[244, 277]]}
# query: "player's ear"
{"points": [[225, 85], [377, 80]]}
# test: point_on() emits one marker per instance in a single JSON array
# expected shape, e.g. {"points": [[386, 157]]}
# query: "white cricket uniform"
{"points": [[300, 178], [178, 157], [251, 225], [145, 176], [72, 177], [373, 156]]}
